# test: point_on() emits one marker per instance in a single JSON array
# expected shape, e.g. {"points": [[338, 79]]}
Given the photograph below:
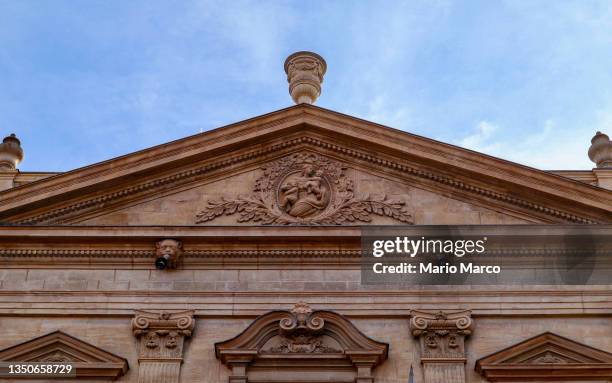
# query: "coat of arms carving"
{"points": [[305, 189]]}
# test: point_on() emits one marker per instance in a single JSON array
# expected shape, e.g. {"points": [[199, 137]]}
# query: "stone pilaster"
{"points": [[161, 337], [442, 341]]}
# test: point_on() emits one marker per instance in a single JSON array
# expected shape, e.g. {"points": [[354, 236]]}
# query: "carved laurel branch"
{"points": [[350, 210], [249, 209]]}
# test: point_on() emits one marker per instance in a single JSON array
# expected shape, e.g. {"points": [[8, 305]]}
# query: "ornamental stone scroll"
{"points": [[161, 337], [442, 342]]}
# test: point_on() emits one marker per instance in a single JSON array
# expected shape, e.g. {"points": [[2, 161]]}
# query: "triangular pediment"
{"points": [[88, 361], [239, 154], [546, 357]]}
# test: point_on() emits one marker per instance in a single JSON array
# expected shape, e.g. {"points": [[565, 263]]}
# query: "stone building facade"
{"points": [[257, 225]]}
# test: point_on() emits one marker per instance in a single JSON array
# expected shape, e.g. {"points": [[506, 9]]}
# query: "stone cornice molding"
{"points": [[589, 301], [155, 156], [67, 213], [95, 246], [422, 155], [251, 253], [415, 146]]}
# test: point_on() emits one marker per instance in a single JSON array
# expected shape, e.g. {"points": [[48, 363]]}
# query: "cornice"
{"points": [[468, 160], [253, 253], [175, 179], [64, 214], [155, 156], [591, 301]]}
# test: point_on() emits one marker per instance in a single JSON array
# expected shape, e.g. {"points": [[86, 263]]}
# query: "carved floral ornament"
{"points": [[305, 189]]}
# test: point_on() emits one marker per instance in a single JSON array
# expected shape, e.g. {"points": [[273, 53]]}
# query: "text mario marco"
{"points": [[422, 247]]}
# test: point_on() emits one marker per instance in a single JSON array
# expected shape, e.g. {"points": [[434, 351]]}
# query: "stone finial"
{"points": [[600, 151], [11, 153], [305, 72]]}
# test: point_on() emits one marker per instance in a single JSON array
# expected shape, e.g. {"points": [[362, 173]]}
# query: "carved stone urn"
{"points": [[305, 72], [600, 151]]}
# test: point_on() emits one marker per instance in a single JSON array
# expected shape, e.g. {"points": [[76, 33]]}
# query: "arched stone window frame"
{"points": [[301, 345]]}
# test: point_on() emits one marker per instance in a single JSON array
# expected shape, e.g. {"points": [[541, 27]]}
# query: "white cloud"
{"points": [[546, 148], [382, 112], [481, 139]]}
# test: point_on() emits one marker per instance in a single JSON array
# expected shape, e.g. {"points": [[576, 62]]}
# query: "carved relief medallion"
{"points": [[305, 189]]}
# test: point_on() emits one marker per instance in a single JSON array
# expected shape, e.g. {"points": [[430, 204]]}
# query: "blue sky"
{"points": [[84, 81]]}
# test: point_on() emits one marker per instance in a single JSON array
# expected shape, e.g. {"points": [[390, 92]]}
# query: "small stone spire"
{"points": [[600, 151], [305, 72], [11, 153]]}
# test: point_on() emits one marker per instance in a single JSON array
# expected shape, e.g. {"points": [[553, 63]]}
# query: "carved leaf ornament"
{"points": [[305, 189]]}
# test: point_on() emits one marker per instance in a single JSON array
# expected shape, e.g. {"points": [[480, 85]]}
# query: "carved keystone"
{"points": [[161, 336], [442, 342]]}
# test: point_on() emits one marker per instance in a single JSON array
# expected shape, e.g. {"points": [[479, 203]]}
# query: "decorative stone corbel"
{"points": [[161, 337], [442, 341]]}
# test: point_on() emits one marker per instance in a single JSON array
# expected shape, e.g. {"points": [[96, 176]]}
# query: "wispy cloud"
{"points": [[482, 139], [543, 147]]}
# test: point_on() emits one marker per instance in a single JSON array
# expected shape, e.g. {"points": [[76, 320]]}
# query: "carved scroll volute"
{"points": [[442, 342], [161, 337], [301, 320]]}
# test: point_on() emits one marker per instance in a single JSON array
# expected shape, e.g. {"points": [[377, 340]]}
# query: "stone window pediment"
{"points": [[301, 345], [58, 347], [548, 358]]}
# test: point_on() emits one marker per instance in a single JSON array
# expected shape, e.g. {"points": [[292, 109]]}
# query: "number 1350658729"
{"points": [[36, 370]]}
